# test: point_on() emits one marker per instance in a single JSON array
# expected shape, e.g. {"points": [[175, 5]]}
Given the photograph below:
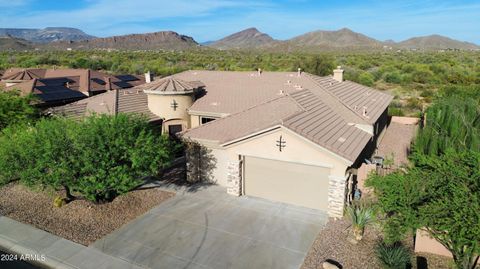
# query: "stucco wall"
{"points": [[161, 105], [194, 121], [297, 150]]}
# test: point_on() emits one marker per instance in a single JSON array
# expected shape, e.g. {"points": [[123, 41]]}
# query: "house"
{"points": [[111, 103], [291, 137], [54, 87]]}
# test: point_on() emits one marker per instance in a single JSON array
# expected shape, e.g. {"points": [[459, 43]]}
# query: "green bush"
{"points": [[394, 256], [15, 108], [366, 79], [98, 158]]}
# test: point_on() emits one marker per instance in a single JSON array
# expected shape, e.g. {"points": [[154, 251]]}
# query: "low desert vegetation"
{"points": [[440, 191], [15, 109], [96, 159], [394, 256], [412, 77]]}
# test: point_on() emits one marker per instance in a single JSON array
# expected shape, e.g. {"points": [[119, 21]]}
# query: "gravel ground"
{"points": [[79, 221], [333, 243]]}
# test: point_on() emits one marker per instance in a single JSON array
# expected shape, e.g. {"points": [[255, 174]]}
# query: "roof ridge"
{"points": [[310, 76], [240, 112]]}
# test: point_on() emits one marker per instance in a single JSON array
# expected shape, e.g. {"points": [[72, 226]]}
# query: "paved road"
{"points": [[210, 229]]}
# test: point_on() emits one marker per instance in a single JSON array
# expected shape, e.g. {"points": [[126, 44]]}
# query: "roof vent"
{"points": [[342, 139], [299, 72], [364, 111], [281, 92]]}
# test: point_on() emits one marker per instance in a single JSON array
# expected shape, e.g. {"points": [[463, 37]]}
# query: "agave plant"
{"points": [[394, 256], [360, 216]]}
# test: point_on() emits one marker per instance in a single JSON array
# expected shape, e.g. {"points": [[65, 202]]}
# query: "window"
{"points": [[174, 129], [205, 120]]}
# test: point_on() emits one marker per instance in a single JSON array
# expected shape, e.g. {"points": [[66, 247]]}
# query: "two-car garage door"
{"points": [[288, 182]]}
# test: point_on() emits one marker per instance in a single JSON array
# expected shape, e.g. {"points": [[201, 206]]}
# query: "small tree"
{"points": [[98, 158], [15, 108], [441, 194]]}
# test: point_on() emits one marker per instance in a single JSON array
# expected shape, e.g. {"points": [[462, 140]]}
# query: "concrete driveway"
{"points": [[210, 229]]}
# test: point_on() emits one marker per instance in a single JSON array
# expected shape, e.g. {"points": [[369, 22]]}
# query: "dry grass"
{"points": [[79, 221]]}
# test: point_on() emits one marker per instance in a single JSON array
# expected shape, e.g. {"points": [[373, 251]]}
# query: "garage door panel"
{"points": [[288, 182]]}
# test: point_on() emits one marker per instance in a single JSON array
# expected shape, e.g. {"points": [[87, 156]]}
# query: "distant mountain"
{"points": [[436, 42], [49, 34], [343, 38], [248, 38], [13, 43], [151, 41]]}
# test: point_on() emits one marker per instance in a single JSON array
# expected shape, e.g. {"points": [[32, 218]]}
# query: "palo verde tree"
{"points": [[440, 194], [97, 158]]}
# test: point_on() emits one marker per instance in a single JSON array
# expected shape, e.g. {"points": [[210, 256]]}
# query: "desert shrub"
{"points": [[366, 79], [396, 111], [98, 158], [393, 256], [393, 77], [360, 216], [15, 108]]}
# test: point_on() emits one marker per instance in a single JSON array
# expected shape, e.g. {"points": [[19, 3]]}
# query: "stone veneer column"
{"points": [[336, 196], [234, 180]]}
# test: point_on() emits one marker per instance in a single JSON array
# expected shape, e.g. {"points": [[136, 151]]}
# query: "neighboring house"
{"points": [[291, 137], [54, 87], [110, 103]]}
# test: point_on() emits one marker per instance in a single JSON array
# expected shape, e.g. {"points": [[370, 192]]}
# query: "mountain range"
{"points": [[251, 38], [47, 35]]}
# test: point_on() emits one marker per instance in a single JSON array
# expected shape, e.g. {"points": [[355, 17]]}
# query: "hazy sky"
{"points": [[212, 19]]}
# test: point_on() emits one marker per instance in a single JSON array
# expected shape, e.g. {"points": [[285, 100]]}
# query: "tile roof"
{"points": [[230, 92], [170, 85], [356, 97], [252, 120], [111, 103], [302, 112], [323, 126], [317, 108]]}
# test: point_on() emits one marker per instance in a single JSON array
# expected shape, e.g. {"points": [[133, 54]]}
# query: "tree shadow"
{"points": [[422, 262], [190, 173]]}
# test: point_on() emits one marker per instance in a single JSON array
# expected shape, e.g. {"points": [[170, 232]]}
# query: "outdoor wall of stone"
{"points": [[336, 196], [234, 180]]}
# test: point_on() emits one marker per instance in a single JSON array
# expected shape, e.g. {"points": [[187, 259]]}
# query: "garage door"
{"points": [[288, 182]]}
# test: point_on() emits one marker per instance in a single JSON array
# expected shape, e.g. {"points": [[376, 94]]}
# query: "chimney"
{"points": [[299, 72], [259, 70], [148, 77], [338, 74], [108, 84]]}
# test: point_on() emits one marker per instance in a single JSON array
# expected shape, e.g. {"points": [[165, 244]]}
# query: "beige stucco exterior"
{"points": [[297, 150], [331, 168], [161, 105]]}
